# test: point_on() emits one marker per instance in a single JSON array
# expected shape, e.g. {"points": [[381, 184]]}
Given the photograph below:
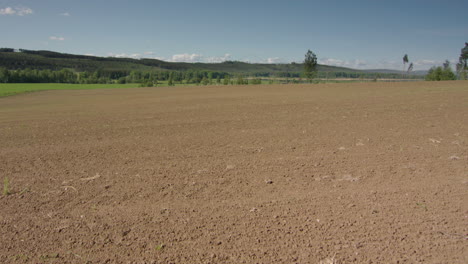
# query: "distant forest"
{"points": [[29, 66]]}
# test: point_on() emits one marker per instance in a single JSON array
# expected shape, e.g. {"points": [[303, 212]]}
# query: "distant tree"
{"points": [[6, 50], [310, 65], [4, 75], [405, 60], [171, 79], [410, 68], [462, 66], [226, 80], [434, 74], [205, 81], [121, 80], [240, 80], [446, 64], [256, 81], [210, 78], [146, 84]]}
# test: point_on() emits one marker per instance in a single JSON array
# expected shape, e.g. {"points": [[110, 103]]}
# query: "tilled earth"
{"points": [[332, 173]]}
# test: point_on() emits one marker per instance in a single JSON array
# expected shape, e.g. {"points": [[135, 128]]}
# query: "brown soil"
{"points": [[338, 173]]}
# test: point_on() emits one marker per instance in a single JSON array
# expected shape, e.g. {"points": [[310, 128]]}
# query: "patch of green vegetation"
{"points": [[444, 73], [160, 247], [6, 186], [25, 190], [7, 89]]}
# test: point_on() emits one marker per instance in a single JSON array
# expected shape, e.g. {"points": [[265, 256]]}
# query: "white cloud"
{"points": [[186, 57], [331, 62], [7, 11], [356, 64], [386, 64], [119, 55], [194, 57], [427, 64], [421, 64], [19, 11], [66, 14], [274, 60], [224, 58], [125, 55], [57, 38]]}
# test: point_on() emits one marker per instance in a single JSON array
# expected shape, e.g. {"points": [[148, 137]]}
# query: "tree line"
{"points": [[440, 73], [107, 76], [151, 78], [445, 73]]}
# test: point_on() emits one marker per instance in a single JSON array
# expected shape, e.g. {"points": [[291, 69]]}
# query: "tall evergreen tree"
{"points": [[462, 66], [405, 60], [310, 65], [410, 68], [171, 79]]}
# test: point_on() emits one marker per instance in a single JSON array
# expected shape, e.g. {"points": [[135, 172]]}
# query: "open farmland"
{"points": [[338, 173]]}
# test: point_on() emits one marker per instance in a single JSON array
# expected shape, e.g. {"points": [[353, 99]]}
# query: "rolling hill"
{"points": [[43, 60]]}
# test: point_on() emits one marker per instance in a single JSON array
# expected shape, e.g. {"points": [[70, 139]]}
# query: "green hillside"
{"points": [[48, 60]]}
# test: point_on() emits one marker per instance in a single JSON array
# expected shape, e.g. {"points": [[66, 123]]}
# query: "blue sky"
{"points": [[359, 34]]}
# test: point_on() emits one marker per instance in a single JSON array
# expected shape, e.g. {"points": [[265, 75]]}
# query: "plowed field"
{"points": [[331, 173]]}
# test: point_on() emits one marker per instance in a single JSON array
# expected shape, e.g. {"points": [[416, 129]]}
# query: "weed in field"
{"points": [[160, 247], [25, 190], [6, 186], [422, 205]]}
